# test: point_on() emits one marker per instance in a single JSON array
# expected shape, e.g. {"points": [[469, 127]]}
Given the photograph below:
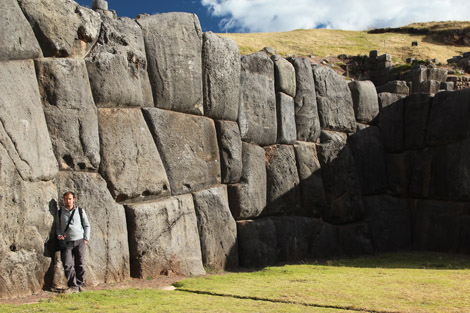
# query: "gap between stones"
{"points": [[335, 307]]}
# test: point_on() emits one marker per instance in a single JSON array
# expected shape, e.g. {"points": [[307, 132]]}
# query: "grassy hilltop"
{"points": [[435, 41]]}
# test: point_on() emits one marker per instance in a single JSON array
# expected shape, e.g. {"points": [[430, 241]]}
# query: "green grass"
{"points": [[405, 282]]}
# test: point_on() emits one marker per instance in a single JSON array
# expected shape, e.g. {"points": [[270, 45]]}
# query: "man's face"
{"points": [[69, 200]]}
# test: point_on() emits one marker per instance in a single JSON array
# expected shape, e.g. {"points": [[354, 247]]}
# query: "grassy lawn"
{"points": [[405, 282]]}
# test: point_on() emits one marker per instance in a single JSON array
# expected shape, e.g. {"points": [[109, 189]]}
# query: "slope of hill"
{"points": [[326, 42]]}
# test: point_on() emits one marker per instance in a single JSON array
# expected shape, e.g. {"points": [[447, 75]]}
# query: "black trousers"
{"points": [[73, 259]]}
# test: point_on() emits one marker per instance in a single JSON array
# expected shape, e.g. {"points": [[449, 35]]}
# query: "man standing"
{"points": [[73, 229]]}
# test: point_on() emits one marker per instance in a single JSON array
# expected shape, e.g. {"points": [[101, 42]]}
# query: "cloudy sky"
{"points": [[284, 15]]}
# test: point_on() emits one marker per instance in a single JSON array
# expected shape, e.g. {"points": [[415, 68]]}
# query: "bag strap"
{"points": [[70, 219], [80, 210]]}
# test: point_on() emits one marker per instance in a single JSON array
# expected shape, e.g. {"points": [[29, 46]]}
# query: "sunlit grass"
{"points": [[404, 282]]}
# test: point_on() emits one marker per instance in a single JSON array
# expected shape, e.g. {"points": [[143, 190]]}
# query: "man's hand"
{"points": [[86, 241], [61, 237]]}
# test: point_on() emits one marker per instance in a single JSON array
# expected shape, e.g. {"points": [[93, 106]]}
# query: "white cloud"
{"points": [[284, 15]]}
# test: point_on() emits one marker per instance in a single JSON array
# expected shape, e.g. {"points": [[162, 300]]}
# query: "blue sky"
{"points": [[281, 15]]}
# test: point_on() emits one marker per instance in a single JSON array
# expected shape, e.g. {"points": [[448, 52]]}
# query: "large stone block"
{"points": [[306, 112], [23, 130], [335, 105], [369, 158], [296, 237], [387, 98], [221, 77], [284, 74], [16, 38], [313, 199], [163, 238], [392, 126], [365, 101], [286, 129], [417, 107], [437, 224], [71, 114], [396, 87], [117, 65], [399, 172], [342, 185], [173, 42], [130, 160], [389, 222], [283, 194], [421, 176], [108, 248], [230, 147], [63, 28], [257, 243], [26, 225], [465, 234], [257, 113], [343, 240], [189, 150], [217, 228], [248, 198], [448, 121]]}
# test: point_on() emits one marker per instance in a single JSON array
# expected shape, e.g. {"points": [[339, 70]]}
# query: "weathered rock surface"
{"points": [[188, 147], [16, 38], [335, 105], [396, 87], [130, 163], [23, 130], [283, 193], [389, 222], [392, 126], [71, 114], [248, 198], [342, 185], [230, 147], [369, 157], [387, 98], [163, 238], [417, 108], [63, 28], [313, 199], [465, 234], [257, 243], [448, 121], [399, 172], [286, 129], [117, 65], [173, 43], [284, 74], [437, 224], [217, 228], [306, 112], [295, 237], [108, 249], [221, 77], [257, 113], [26, 224], [365, 101]]}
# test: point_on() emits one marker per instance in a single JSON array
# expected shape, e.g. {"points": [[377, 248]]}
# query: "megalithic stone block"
{"points": [[221, 77], [257, 113], [71, 114], [16, 38], [163, 238], [335, 105], [189, 150], [365, 101], [217, 228], [63, 27], [173, 43], [230, 148], [306, 112], [130, 161], [286, 128], [284, 73], [117, 65]]}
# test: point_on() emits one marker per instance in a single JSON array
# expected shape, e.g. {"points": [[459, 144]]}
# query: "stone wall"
{"points": [[188, 156]]}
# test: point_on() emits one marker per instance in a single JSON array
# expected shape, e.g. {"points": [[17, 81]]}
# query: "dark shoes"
{"points": [[81, 288], [71, 290]]}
